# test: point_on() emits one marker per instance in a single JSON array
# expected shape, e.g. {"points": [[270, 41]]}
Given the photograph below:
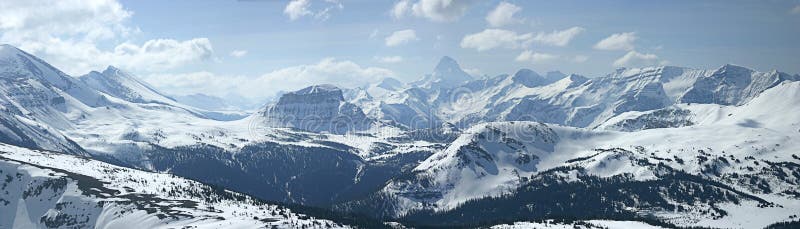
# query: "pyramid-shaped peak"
{"points": [[447, 62]]}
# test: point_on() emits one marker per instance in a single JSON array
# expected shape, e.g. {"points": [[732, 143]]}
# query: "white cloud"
{"points": [[636, 59], [473, 71], [161, 54], [559, 38], [389, 59], [68, 35], [297, 9], [496, 38], [535, 57], [580, 58], [434, 10], [341, 73], [617, 41], [401, 37], [238, 53], [503, 14], [796, 9], [36, 18], [401, 8]]}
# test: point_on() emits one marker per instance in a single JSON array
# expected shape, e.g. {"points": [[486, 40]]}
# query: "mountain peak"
{"points": [[318, 108], [732, 68], [7, 51], [390, 83], [446, 74], [529, 78], [447, 62], [323, 93], [111, 68], [317, 89]]}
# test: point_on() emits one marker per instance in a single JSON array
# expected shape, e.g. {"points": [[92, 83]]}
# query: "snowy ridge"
{"points": [[486, 160], [749, 160], [568, 100], [120, 84]]}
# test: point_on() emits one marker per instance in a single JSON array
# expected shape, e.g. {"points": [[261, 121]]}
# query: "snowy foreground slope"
{"points": [[51, 190]]}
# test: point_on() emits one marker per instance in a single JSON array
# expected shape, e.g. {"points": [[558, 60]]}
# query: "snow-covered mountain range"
{"points": [[669, 146]]}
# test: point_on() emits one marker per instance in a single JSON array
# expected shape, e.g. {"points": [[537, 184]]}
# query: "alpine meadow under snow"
{"points": [[652, 146]]}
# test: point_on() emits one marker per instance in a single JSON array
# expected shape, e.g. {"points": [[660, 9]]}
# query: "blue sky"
{"points": [[258, 47]]}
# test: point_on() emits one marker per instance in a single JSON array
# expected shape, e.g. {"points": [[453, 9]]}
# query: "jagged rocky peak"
{"points": [[318, 108]]}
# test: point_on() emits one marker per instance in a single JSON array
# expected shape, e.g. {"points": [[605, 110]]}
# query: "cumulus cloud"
{"points": [[496, 38], [342, 73], [796, 9], [636, 59], [160, 54], [559, 38], [535, 57], [401, 8], [36, 18], [389, 59], [434, 10], [618, 41], [297, 9], [503, 15], [401, 37], [67, 34], [238, 53]]}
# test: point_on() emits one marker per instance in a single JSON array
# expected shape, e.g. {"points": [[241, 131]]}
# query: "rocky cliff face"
{"points": [[319, 108]]}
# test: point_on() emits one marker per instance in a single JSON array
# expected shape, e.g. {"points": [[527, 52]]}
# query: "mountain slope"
{"points": [[44, 189], [530, 168], [123, 85]]}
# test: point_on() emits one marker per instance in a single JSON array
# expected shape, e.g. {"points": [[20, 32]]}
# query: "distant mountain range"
{"points": [[666, 146]]}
